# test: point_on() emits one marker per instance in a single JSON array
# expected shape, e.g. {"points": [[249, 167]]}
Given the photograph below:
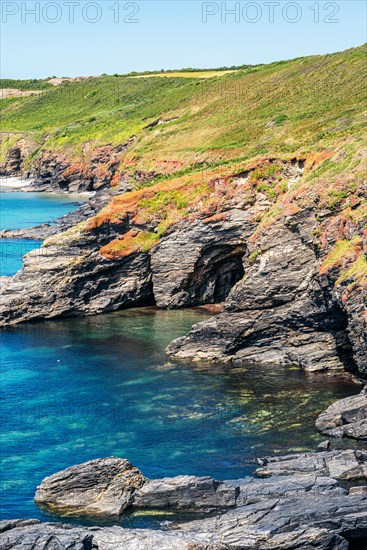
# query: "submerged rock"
{"points": [[103, 486], [346, 417]]}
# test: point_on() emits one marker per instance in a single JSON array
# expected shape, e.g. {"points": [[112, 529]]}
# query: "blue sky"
{"points": [[70, 38]]}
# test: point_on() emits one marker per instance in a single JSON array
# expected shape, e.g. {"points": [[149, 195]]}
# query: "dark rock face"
{"points": [[277, 308], [200, 262], [74, 281], [346, 418], [301, 501], [280, 311], [356, 310], [13, 161]]}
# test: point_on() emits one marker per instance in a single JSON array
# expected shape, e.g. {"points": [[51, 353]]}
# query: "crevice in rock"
{"points": [[336, 322], [216, 272], [356, 538]]}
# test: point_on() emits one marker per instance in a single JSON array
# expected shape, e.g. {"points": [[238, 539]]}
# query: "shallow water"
{"points": [[78, 389], [19, 210], [12, 252], [23, 209]]}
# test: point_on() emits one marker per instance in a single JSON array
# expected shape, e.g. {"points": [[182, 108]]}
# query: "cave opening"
{"points": [[216, 272]]}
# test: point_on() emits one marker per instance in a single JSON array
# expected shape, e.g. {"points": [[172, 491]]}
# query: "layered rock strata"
{"points": [[283, 300], [346, 417], [302, 501]]}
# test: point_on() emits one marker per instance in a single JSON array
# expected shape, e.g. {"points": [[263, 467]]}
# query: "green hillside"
{"points": [[278, 109], [190, 140]]}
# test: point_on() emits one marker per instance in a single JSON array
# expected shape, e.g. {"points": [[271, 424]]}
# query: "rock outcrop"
{"points": [[57, 172], [346, 417], [112, 485], [57, 281], [99, 487], [283, 299], [280, 312], [303, 501]]}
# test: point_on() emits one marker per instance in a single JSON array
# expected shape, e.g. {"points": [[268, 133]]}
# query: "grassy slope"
{"points": [[312, 108], [274, 109]]}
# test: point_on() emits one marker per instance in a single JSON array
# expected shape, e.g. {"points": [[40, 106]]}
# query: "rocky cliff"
{"points": [[247, 191], [287, 270]]}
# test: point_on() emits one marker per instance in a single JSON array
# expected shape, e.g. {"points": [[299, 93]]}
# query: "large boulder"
{"points": [[104, 486]]}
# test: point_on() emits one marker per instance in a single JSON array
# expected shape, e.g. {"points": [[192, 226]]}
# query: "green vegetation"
{"points": [[33, 84], [185, 74], [130, 243], [274, 110], [203, 141], [255, 254], [357, 272], [343, 254]]}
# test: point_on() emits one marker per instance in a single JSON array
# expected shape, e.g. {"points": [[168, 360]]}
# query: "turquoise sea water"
{"points": [[19, 210], [12, 252], [23, 209], [77, 389]]}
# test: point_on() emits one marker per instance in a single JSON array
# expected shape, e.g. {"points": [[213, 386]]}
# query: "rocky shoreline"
{"points": [[302, 501], [277, 307], [346, 417]]}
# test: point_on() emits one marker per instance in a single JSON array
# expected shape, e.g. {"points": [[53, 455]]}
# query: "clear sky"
{"points": [[69, 38]]}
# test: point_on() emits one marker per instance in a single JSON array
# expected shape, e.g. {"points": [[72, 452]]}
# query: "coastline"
{"points": [[13, 183], [307, 500], [187, 343]]}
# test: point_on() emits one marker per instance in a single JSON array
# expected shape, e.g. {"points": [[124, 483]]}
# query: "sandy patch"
{"points": [[14, 92], [14, 183]]}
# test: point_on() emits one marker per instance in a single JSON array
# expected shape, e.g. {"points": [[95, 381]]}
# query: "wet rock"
{"points": [[346, 417], [99, 487]]}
